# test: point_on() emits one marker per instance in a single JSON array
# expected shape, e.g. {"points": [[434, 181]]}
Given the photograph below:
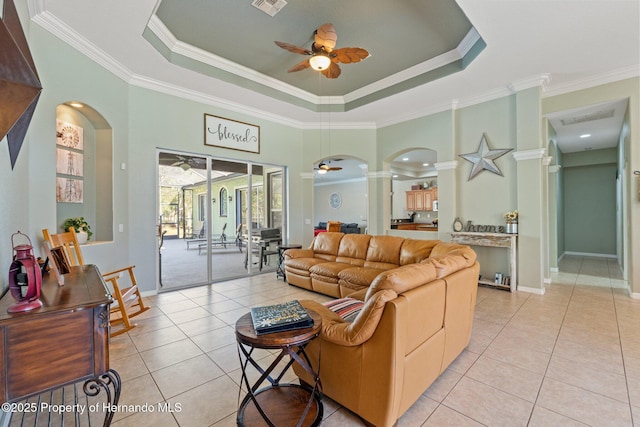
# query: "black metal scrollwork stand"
{"points": [[93, 386]]}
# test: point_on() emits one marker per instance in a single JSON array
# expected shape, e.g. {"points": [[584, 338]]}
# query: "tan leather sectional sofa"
{"points": [[416, 318]]}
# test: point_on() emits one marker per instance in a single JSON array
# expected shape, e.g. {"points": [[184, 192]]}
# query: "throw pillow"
{"points": [[347, 308]]}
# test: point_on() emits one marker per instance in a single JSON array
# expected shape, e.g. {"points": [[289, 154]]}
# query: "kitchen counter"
{"points": [[414, 226]]}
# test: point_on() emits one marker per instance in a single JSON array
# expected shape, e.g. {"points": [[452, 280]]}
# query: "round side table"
{"points": [[278, 404]]}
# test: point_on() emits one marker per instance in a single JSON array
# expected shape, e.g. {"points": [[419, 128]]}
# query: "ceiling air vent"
{"points": [[270, 7], [602, 114]]}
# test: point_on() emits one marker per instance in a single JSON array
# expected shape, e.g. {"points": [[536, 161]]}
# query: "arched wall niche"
{"points": [[84, 168], [411, 167]]}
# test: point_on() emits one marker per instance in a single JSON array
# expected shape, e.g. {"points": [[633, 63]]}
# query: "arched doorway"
{"points": [[341, 192]]}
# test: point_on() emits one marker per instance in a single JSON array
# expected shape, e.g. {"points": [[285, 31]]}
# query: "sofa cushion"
{"points": [[303, 265], [403, 278], [445, 248], [325, 245], [414, 250], [360, 276], [347, 308], [448, 258], [328, 271], [353, 248], [384, 250]]}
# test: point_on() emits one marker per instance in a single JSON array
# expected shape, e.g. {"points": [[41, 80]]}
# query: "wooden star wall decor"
{"points": [[483, 159], [19, 83]]}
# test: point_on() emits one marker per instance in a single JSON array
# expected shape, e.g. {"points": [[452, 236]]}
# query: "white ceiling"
{"points": [[561, 45]]}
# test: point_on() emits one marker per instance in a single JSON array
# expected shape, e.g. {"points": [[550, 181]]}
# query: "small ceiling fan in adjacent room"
{"points": [[324, 167], [324, 57], [187, 163]]}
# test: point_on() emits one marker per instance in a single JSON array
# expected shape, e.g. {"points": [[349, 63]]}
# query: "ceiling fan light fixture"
{"points": [[185, 166], [319, 62], [322, 171]]}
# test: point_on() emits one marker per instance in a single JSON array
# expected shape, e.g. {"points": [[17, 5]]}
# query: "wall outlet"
{"points": [[307, 221], [121, 228]]}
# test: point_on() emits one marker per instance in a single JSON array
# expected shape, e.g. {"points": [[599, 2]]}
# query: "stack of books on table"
{"points": [[280, 317]]}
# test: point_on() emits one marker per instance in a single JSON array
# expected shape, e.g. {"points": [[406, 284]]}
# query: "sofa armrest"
{"points": [[298, 253], [358, 294], [351, 334]]}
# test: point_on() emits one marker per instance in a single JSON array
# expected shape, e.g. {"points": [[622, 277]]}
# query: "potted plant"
{"points": [[512, 221], [82, 227]]}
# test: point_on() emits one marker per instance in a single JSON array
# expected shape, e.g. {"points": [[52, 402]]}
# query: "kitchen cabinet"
{"points": [[421, 200]]}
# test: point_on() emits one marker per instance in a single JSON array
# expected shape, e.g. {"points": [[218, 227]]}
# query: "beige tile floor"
{"points": [[569, 357]]}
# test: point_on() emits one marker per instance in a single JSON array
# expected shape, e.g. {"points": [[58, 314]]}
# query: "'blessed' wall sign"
{"points": [[226, 133]]}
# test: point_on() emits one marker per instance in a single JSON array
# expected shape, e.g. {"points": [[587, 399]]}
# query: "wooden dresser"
{"points": [[63, 342]]}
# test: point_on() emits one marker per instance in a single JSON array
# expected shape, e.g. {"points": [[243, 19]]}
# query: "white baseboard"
{"points": [[589, 254], [537, 291]]}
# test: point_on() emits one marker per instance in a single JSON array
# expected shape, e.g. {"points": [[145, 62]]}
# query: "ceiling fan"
{"points": [[324, 167], [185, 162], [324, 57]]}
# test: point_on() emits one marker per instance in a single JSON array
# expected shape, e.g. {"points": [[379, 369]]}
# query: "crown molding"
{"points": [[441, 166], [157, 27], [192, 95], [541, 81], [593, 81], [536, 153], [45, 19], [554, 168], [65, 33], [379, 174], [456, 54]]}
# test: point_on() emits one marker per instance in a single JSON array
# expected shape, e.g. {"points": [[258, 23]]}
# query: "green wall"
{"points": [[144, 120]]}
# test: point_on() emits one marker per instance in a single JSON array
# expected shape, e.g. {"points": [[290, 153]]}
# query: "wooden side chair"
{"points": [[128, 301], [333, 226], [69, 242]]}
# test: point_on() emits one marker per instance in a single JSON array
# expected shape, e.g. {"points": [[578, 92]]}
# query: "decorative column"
{"points": [[447, 201], [553, 181], [531, 228]]}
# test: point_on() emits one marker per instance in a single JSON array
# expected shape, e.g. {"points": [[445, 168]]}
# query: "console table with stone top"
{"points": [[496, 240]]}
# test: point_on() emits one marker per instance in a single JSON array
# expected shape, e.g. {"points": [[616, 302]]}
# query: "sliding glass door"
{"points": [[220, 218]]}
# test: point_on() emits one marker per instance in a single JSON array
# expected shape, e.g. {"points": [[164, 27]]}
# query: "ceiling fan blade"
{"points": [[326, 36], [335, 168], [300, 66], [293, 48], [348, 55], [332, 72], [178, 163]]}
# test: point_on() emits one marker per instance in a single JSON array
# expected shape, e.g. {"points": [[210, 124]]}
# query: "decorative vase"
{"points": [[512, 227], [82, 237]]}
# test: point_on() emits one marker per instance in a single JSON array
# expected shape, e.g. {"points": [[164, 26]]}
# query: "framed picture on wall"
{"points": [[227, 133], [69, 190], [69, 135], [69, 162]]}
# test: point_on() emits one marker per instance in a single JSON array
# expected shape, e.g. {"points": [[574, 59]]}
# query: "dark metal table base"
{"points": [[279, 404], [66, 406]]}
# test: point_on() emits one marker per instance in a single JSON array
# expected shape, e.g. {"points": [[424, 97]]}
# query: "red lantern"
{"points": [[25, 277]]}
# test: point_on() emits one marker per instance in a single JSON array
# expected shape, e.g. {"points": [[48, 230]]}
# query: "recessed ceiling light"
{"points": [[405, 159], [394, 176], [585, 135], [425, 164]]}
